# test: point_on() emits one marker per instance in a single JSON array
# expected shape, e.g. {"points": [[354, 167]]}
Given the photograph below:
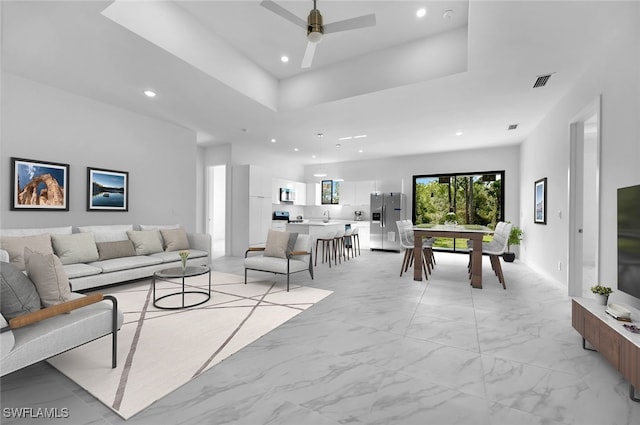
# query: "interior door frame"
{"points": [[576, 137]]}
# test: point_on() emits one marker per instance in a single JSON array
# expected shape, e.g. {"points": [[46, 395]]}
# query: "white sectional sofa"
{"points": [[94, 256]]}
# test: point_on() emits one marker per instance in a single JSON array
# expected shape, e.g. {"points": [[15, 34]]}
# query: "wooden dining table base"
{"points": [[476, 260]]}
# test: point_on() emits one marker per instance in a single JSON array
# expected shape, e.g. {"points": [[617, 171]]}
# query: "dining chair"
{"points": [[407, 242], [496, 248]]}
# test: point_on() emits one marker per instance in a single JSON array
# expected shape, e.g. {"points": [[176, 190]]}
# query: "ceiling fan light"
{"points": [[314, 36]]}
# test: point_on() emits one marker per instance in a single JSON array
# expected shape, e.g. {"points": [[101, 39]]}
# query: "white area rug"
{"points": [[161, 350]]}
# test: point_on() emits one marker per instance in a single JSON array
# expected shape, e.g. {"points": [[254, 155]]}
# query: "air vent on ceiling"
{"points": [[541, 81], [512, 126]]}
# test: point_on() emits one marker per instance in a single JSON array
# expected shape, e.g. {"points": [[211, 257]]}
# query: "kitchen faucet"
{"points": [[326, 212]]}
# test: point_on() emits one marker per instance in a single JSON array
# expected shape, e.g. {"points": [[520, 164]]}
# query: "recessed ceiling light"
{"points": [[296, 149], [149, 93], [273, 140], [421, 13], [362, 136], [284, 58], [459, 133], [313, 156], [345, 138], [360, 151]]}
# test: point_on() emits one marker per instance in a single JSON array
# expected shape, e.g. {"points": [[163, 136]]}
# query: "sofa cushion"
{"points": [[18, 294], [77, 270], [276, 245], [158, 226], [64, 230], [115, 249], [126, 263], [47, 273], [15, 246], [170, 256], [75, 248], [146, 241], [108, 233], [174, 239]]}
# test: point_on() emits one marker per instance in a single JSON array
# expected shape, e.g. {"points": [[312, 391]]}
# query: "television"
{"points": [[629, 240]]}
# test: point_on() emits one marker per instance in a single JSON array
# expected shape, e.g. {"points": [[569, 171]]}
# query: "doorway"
{"points": [[584, 201], [216, 211]]}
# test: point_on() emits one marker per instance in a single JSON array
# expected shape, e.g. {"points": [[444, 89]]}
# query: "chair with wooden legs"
{"points": [[347, 243], [496, 248], [355, 235], [406, 241], [338, 246], [327, 248]]}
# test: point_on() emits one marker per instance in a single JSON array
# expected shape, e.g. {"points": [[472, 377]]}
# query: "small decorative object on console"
{"points": [[601, 293], [632, 328], [618, 312]]}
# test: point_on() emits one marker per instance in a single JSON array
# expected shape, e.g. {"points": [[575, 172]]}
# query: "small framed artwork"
{"points": [[540, 201], [107, 190], [39, 185]]}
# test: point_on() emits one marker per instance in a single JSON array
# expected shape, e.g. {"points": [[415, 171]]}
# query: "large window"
{"points": [[474, 198]]}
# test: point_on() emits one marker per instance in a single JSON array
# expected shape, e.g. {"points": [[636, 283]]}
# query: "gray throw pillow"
{"points": [[276, 245], [292, 242], [18, 294], [75, 248], [115, 249], [175, 239], [47, 274], [146, 241]]}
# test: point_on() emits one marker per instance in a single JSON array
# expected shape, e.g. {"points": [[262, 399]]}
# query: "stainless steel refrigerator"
{"points": [[386, 209]]}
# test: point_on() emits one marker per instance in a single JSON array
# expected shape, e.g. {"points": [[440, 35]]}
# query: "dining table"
{"points": [[474, 232]]}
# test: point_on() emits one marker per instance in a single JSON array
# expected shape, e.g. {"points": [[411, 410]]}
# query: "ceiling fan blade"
{"points": [[350, 24], [281, 11], [308, 55]]}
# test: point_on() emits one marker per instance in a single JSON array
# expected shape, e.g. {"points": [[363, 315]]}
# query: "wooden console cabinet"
{"points": [[608, 336]]}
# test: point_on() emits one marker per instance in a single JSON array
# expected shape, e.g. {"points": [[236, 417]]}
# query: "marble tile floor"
{"points": [[384, 349]]}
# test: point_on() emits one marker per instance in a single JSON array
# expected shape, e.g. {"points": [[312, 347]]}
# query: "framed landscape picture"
{"points": [[39, 185], [108, 190], [540, 201]]}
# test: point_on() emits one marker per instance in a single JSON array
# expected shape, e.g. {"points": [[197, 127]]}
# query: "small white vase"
{"points": [[601, 299]]}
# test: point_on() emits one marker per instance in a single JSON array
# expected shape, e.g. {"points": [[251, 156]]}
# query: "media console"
{"points": [[609, 337]]}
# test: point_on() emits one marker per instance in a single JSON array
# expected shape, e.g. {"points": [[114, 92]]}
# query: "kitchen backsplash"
{"points": [[339, 212]]}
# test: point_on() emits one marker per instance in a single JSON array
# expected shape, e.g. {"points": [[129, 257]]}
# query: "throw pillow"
{"points": [[15, 246], [146, 241], [276, 245], [292, 242], [108, 233], [46, 272], [174, 239], [18, 294], [75, 248], [115, 249]]}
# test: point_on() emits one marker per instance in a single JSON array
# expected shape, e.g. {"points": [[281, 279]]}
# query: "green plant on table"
{"points": [[602, 290]]}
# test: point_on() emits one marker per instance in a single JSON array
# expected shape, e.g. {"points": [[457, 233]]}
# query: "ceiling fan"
{"points": [[315, 28]]}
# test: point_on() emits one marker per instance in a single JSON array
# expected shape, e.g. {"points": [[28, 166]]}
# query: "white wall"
{"points": [[44, 123], [614, 74]]}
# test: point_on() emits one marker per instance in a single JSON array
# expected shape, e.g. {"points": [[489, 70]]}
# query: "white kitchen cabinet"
{"points": [[313, 194], [363, 192], [300, 193], [251, 206], [279, 225], [348, 193]]}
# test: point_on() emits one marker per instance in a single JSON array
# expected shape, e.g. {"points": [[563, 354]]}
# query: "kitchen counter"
{"points": [[318, 228]]}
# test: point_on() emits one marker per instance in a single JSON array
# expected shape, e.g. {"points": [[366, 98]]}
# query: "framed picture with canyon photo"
{"points": [[39, 185], [107, 190]]}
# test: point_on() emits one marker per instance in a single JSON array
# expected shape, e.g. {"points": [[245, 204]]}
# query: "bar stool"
{"points": [[347, 243], [355, 236], [338, 246], [327, 240]]}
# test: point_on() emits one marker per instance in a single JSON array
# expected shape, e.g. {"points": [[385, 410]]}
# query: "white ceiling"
{"points": [[407, 83]]}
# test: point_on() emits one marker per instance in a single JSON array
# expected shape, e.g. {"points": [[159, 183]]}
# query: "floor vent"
{"points": [[512, 127], [541, 81]]}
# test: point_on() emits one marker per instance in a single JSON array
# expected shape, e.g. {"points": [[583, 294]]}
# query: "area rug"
{"points": [[161, 350]]}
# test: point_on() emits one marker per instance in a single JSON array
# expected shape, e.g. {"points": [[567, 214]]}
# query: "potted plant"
{"points": [[514, 239], [601, 293], [450, 219]]}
